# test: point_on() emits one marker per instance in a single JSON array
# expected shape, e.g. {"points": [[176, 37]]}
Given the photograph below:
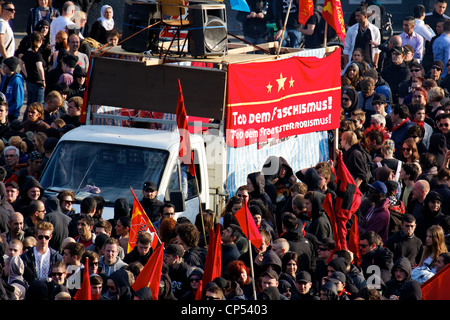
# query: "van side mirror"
{"points": [[177, 199]]}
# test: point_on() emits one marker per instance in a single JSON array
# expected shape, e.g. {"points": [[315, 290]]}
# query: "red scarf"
{"points": [[420, 123], [400, 124]]}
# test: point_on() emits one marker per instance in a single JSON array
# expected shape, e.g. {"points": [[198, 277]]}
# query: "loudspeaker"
{"points": [[138, 16], [208, 33]]}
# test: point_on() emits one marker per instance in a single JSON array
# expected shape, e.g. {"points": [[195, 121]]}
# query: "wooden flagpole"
{"points": [[284, 28], [200, 208]]}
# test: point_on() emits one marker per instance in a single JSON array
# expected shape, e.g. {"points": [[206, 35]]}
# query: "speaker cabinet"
{"points": [[208, 33], [137, 16]]}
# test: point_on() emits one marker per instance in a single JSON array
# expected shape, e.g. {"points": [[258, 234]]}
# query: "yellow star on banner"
{"points": [[269, 88], [328, 7], [291, 82], [281, 82]]}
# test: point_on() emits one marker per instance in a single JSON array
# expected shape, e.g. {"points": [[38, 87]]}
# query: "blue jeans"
{"points": [[294, 37], [35, 93]]}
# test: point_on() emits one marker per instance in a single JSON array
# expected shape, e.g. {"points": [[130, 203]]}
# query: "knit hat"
{"points": [[12, 63], [79, 71], [70, 60]]}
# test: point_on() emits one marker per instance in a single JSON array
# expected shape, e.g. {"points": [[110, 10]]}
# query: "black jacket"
{"points": [[29, 260], [403, 246]]}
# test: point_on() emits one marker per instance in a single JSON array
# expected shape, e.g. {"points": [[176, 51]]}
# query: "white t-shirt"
{"points": [[58, 24], [10, 44]]}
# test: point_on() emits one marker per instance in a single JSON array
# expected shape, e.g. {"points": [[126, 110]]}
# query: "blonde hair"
{"points": [[435, 94], [17, 142]]}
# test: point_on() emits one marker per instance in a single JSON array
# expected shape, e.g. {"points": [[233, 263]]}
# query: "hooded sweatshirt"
{"points": [[320, 224], [59, 220], [258, 182], [428, 217], [393, 286]]}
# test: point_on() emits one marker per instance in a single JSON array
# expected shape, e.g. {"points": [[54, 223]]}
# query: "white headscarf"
{"points": [[108, 24]]}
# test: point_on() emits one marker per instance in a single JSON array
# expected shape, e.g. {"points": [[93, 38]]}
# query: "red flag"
{"points": [[436, 288], [348, 198], [198, 293], [150, 276], [140, 223], [334, 16], [213, 263], [84, 293], [248, 225], [305, 10], [184, 153], [353, 241]]}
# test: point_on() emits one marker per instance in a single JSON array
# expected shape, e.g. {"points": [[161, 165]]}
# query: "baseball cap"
{"points": [[378, 97], [337, 276], [398, 49], [303, 276], [379, 187], [150, 185]]}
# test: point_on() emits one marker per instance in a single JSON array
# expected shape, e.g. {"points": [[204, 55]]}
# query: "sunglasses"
{"points": [[40, 237], [93, 264], [415, 70], [414, 137], [55, 274], [406, 149], [194, 280], [10, 9], [443, 125], [436, 68]]}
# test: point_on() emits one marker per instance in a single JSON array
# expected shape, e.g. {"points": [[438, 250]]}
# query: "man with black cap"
{"points": [[149, 202], [13, 87], [377, 217], [380, 105], [396, 72], [78, 87], [436, 72], [339, 279], [303, 284], [173, 258], [68, 65]]}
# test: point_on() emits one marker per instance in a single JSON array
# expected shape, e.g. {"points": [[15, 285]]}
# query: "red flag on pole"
{"points": [[150, 276], [353, 241], [333, 14], [305, 10], [184, 153], [140, 223], [84, 293], [437, 287], [213, 263], [248, 225], [348, 198]]}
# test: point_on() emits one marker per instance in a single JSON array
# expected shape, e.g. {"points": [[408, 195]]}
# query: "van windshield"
{"points": [[107, 170]]}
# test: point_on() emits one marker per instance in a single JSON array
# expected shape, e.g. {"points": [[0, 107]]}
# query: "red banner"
{"points": [[277, 99], [333, 14]]}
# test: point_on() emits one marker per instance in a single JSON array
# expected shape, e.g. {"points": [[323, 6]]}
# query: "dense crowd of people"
{"points": [[394, 138]]}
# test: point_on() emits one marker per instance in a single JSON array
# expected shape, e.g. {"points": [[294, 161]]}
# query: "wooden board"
{"points": [[130, 84]]}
